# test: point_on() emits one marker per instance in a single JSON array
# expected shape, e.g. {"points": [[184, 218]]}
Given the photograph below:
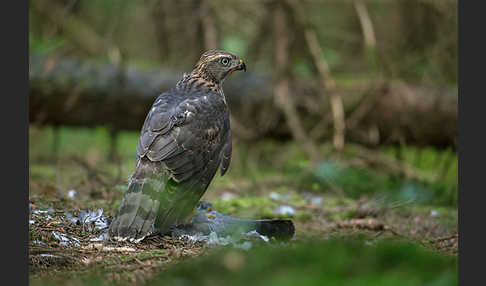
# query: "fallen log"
{"points": [[66, 91]]}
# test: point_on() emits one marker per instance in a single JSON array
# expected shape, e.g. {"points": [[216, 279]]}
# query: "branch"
{"points": [[76, 30], [366, 24], [369, 38], [281, 89], [327, 81]]}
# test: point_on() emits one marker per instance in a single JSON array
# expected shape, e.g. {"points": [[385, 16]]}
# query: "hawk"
{"points": [[185, 138]]}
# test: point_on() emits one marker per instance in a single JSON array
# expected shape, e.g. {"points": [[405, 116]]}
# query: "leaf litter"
{"points": [[76, 240]]}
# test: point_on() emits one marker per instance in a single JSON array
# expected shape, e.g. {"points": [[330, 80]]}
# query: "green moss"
{"points": [[267, 160], [334, 262], [341, 215], [303, 216], [331, 202], [42, 171], [250, 207], [150, 253]]}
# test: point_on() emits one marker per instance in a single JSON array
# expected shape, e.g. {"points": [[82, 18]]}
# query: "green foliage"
{"points": [[39, 42], [327, 263], [273, 160], [418, 43], [43, 45], [356, 182], [151, 253], [271, 166], [441, 163], [333, 262], [235, 45], [332, 57], [91, 278], [69, 141], [302, 68]]}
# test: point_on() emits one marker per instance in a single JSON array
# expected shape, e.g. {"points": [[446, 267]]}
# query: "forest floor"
{"points": [[330, 203]]}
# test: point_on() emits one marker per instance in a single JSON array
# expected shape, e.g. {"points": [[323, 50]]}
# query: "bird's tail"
{"points": [[208, 220], [281, 229], [138, 210], [152, 204]]}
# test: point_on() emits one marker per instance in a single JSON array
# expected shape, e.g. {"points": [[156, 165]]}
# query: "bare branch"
{"points": [[328, 82], [366, 24], [282, 90], [76, 30]]}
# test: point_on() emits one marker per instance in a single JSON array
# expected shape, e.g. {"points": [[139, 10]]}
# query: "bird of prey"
{"points": [[184, 140]]}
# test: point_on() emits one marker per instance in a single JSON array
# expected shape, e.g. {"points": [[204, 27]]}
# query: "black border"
{"points": [[471, 172], [14, 134]]}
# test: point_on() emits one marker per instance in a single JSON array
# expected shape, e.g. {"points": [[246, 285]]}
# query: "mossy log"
{"points": [[66, 91]]}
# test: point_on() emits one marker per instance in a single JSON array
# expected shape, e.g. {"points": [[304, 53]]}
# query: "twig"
{"points": [[282, 90], [259, 39], [366, 104], [388, 228], [328, 82], [443, 238], [391, 165], [78, 32], [366, 24]]}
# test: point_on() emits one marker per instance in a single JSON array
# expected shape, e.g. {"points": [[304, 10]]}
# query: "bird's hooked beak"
{"points": [[241, 66]]}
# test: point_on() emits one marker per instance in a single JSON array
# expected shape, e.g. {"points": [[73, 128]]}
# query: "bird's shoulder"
{"points": [[180, 120], [177, 107]]}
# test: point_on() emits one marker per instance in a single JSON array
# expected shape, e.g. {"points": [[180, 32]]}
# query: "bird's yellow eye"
{"points": [[225, 61]]}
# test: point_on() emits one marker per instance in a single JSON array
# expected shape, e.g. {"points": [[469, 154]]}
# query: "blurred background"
{"points": [[348, 109]]}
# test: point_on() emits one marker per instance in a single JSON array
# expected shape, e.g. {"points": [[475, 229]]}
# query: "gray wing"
{"points": [[189, 141], [184, 139], [227, 148], [187, 136]]}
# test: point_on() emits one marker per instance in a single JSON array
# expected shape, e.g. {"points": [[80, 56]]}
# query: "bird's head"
{"points": [[216, 65]]}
